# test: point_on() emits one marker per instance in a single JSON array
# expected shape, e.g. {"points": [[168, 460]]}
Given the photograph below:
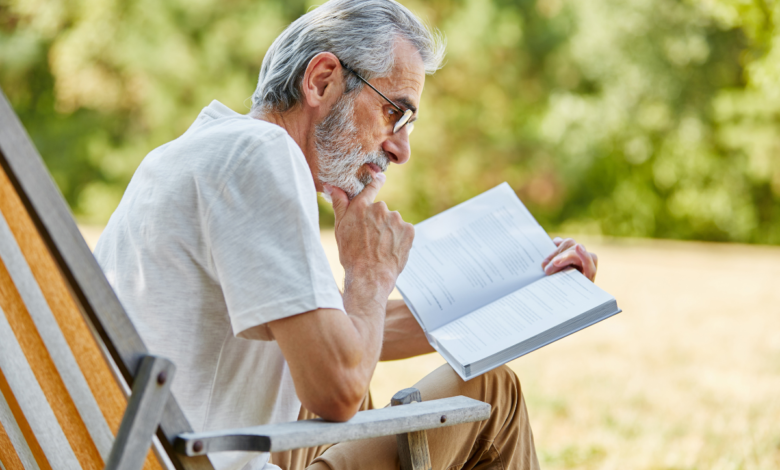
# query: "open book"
{"points": [[475, 283]]}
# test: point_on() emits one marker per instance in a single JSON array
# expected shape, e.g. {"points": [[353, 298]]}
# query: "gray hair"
{"points": [[361, 33]]}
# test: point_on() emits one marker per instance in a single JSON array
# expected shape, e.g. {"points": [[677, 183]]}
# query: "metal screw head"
{"points": [[443, 418], [197, 446], [162, 377]]}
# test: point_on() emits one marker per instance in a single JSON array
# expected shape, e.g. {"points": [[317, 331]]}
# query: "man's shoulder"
{"points": [[250, 159], [233, 133], [222, 142]]}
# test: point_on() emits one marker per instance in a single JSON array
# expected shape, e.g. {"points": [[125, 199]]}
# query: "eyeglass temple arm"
{"points": [[372, 87]]}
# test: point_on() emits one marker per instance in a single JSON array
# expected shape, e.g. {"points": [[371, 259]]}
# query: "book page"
{"points": [[471, 255], [519, 316]]}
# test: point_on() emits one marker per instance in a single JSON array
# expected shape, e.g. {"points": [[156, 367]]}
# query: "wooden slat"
{"points": [[316, 432], [76, 332], [147, 401], [54, 341], [29, 406], [412, 446], [46, 373], [47, 212], [22, 425], [9, 459], [13, 447]]}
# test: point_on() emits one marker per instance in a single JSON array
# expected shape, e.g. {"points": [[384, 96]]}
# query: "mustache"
{"points": [[378, 158]]}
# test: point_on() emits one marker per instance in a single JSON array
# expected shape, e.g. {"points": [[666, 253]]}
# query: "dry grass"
{"points": [[687, 377]]}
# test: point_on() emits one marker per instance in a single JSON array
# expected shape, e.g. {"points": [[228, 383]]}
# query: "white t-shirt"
{"points": [[218, 233]]}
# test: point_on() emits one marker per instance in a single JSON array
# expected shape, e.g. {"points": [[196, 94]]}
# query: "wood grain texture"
{"points": [[23, 424], [42, 366], [49, 215], [85, 349], [8, 454], [16, 437], [406, 396], [75, 330], [413, 451], [315, 432], [147, 401], [53, 339]]}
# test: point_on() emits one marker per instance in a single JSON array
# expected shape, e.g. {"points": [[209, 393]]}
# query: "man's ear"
{"points": [[323, 81]]}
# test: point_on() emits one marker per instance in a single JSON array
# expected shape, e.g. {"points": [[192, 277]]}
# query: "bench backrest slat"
{"points": [[83, 305], [59, 350], [59, 392], [19, 448], [33, 406]]}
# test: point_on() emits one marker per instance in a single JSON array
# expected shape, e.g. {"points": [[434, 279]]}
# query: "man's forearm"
{"points": [[366, 303], [403, 336], [332, 356]]}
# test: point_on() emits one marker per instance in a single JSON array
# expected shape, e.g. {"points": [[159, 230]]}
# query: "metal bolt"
{"points": [[443, 418], [197, 446], [162, 377]]}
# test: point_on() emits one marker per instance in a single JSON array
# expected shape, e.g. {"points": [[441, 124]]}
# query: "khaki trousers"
{"points": [[503, 441]]}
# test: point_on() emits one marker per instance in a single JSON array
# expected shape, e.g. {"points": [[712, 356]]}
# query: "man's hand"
{"points": [[571, 253], [332, 356], [373, 242]]}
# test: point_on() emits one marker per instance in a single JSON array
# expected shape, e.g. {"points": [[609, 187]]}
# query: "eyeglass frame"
{"points": [[404, 120]]}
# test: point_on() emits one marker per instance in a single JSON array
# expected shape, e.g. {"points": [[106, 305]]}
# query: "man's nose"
{"points": [[397, 147]]}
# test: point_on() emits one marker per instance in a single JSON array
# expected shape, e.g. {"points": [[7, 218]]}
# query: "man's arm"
{"points": [[403, 338], [332, 356]]}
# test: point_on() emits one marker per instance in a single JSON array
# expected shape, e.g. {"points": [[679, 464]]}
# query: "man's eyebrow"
{"points": [[407, 103]]}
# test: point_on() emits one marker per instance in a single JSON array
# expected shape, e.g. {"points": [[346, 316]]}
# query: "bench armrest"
{"points": [[314, 432]]}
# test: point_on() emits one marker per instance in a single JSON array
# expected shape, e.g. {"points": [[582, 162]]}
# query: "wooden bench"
{"points": [[69, 355]]}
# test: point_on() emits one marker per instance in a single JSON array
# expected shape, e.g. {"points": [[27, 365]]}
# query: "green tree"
{"points": [[650, 118]]}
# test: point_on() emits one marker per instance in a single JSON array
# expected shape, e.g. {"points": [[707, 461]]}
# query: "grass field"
{"points": [[687, 377]]}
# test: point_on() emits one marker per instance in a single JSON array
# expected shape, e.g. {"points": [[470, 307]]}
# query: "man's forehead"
{"points": [[405, 82]]}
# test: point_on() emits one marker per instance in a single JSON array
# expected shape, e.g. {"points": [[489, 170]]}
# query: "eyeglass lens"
{"points": [[404, 121]]}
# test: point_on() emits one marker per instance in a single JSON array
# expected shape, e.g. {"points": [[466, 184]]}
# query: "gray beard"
{"points": [[339, 155]]}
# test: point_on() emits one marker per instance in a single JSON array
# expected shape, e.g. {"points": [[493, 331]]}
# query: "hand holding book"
{"points": [[571, 253], [474, 281]]}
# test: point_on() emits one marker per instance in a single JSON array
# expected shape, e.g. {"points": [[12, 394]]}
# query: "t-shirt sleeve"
{"points": [[264, 238]]}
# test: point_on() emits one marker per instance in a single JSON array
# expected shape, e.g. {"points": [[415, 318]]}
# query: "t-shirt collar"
{"points": [[217, 110]]}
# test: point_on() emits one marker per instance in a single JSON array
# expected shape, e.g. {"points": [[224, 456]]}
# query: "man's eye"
{"points": [[391, 112]]}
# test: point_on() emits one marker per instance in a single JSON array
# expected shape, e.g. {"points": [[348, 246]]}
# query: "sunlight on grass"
{"points": [[687, 377]]}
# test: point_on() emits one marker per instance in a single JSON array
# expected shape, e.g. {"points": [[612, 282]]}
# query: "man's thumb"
{"points": [[339, 199], [372, 189]]}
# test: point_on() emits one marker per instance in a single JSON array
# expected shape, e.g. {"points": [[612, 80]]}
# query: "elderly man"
{"points": [[215, 249]]}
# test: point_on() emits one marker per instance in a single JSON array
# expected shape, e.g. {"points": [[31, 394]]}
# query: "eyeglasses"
{"points": [[405, 116]]}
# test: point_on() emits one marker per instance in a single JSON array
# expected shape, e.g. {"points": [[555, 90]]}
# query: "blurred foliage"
{"points": [[656, 118]]}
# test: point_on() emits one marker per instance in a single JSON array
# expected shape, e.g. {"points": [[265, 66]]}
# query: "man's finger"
{"points": [[564, 260], [340, 201], [588, 262], [372, 189], [562, 246]]}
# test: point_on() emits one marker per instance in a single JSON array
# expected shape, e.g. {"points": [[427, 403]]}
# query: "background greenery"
{"points": [[653, 118]]}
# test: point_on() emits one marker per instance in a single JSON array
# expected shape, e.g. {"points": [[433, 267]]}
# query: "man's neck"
{"points": [[298, 125]]}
